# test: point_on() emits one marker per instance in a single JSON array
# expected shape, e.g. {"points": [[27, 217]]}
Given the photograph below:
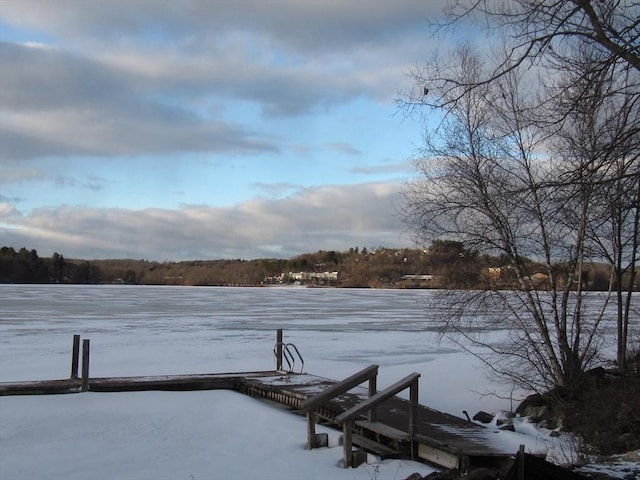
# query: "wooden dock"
{"points": [[376, 421], [438, 438]]}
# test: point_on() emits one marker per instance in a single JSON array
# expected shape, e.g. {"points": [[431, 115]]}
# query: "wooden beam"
{"points": [[85, 365], [384, 430], [339, 388], [377, 398], [75, 356], [279, 349], [413, 397], [373, 389], [521, 462], [347, 444], [438, 456], [311, 430]]}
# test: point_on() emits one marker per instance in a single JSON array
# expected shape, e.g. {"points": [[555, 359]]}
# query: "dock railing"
{"points": [[347, 418], [369, 405], [310, 406]]}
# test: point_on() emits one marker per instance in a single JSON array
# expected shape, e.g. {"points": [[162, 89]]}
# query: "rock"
{"points": [[536, 414], [535, 400], [483, 474], [538, 409], [552, 420], [415, 476], [483, 417], [632, 456], [454, 474], [554, 433], [451, 474], [504, 418], [507, 427]]}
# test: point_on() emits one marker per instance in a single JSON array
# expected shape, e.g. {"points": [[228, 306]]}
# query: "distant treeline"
{"points": [[445, 264]]}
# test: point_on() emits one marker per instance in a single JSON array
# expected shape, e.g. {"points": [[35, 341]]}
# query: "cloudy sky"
{"points": [[206, 129]]}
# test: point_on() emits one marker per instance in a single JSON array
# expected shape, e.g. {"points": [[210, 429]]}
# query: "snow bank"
{"points": [[168, 435]]}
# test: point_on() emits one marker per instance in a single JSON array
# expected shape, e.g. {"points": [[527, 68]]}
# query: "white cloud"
{"points": [[302, 26], [99, 89], [330, 217], [19, 174], [256, 89]]}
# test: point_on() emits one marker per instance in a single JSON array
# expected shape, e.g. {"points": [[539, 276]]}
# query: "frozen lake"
{"points": [[147, 330], [137, 330]]}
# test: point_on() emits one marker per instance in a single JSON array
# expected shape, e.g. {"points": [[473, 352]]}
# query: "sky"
{"points": [[207, 129]]}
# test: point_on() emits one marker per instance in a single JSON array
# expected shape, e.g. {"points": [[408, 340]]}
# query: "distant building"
{"points": [[304, 277], [495, 272], [420, 279]]}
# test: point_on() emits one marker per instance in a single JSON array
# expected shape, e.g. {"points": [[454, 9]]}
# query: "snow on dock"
{"points": [[380, 422]]}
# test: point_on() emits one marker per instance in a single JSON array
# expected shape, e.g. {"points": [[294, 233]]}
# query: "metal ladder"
{"points": [[288, 356]]}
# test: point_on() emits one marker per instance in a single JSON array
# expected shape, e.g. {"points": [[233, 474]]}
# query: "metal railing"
{"points": [[282, 351]]}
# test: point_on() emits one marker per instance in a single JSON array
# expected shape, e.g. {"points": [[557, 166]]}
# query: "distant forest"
{"points": [[445, 264]]}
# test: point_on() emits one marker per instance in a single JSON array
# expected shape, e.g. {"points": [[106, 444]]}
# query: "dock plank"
{"points": [[376, 448], [432, 427], [384, 430], [41, 387]]}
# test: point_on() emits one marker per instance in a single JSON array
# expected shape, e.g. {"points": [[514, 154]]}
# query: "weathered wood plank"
{"points": [[41, 387], [374, 447], [85, 364], [340, 388], [75, 356], [187, 382], [384, 430], [168, 383], [378, 398]]}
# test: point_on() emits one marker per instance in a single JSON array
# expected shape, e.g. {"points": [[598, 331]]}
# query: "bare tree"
{"points": [[483, 181], [536, 157], [547, 31], [602, 138]]}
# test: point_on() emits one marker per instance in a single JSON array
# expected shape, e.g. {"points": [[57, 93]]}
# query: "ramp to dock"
{"points": [[440, 438]]}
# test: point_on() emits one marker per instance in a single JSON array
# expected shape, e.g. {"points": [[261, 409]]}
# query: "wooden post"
{"points": [[75, 356], [413, 408], [85, 365], [413, 396], [347, 442], [315, 440], [521, 463], [373, 389], [279, 349], [311, 430]]}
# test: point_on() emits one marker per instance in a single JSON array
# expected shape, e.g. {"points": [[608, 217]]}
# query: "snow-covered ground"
{"points": [[214, 434], [167, 435]]}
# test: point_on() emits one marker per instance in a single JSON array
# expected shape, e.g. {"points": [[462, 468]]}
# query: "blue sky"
{"points": [[206, 129]]}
